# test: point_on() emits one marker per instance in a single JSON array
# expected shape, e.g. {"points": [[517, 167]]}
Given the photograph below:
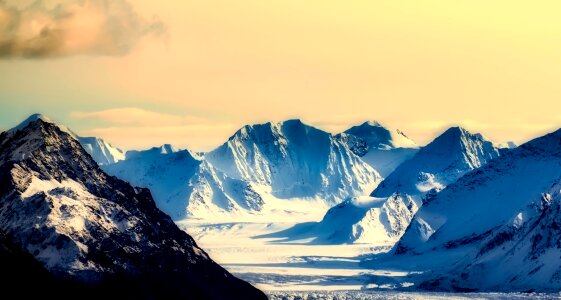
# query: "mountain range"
{"points": [[465, 213], [258, 166]]}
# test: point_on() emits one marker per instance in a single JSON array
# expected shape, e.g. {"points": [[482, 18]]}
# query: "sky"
{"points": [[141, 73]]}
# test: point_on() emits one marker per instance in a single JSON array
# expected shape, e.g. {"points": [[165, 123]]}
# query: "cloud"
{"points": [[95, 27], [138, 116], [136, 128]]}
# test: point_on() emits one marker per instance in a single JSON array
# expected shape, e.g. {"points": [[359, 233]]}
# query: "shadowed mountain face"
{"points": [[88, 229], [496, 228]]}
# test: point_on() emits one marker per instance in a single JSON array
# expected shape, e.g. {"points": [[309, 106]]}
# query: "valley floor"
{"points": [[300, 270], [272, 265]]}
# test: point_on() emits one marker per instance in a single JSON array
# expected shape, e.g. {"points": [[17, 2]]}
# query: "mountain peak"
{"points": [[31, 119]]}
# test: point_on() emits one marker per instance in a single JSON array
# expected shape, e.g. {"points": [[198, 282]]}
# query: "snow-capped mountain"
{"points": [[380, 147], [184, 185], [496, 227], [293, 160], [101, 151], [88, 228], [383, 217]]}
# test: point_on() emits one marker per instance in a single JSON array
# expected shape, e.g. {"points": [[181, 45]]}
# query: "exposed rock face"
{"points": [[91, 229]]}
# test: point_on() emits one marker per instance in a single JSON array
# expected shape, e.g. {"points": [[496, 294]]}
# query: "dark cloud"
{"points": [[97, 27]]}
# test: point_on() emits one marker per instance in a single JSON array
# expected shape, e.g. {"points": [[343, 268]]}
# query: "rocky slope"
{"points": [[94, 230]]}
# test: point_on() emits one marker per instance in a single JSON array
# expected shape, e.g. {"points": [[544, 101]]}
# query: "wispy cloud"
{"points": [[136, 128], [98, 27], [138, 116]]}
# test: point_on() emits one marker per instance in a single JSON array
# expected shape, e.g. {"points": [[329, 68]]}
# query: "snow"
{"points": [[400, 295], [101, 151], [493, 225], [382, 218], [283, 169], [295, 160], [275, 266]]}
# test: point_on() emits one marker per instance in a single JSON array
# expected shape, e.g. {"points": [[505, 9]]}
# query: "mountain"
{"points": [[382, 218], [293, 160], [101, 151], [184, 185], [380, 147], [496, 228], [443, 161], [92, 230]]}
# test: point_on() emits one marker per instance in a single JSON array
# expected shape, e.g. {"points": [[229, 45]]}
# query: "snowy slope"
{"points": [[293, 160], [398, 197], [96, 230], [101, 151], [357, 220], [443, 161], [497, 226], [380, 147], [184, 185]]}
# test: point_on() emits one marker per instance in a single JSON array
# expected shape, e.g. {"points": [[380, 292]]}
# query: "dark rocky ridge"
{"points": [[93, 231]]}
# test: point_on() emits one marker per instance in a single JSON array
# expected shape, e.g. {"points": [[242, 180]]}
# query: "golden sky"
{"points": [[200, 69]]}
